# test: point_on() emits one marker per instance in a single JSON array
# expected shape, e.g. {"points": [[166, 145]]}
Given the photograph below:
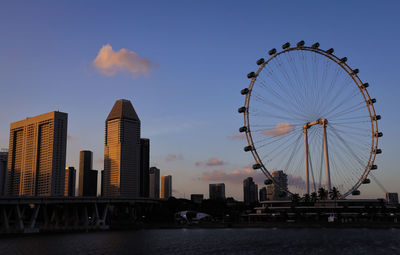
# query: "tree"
{"points": [[306, 198], [295, 198], [322, 194], [314, 196], [334, 193]]}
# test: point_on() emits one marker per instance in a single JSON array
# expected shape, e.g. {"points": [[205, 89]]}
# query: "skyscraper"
{"points": [[217, 191], [263, 194], [166, 186], [87, 176], [144, 166], [36, 157], [250, 191], [122, 151], [3, 172], [278, 192], [154, 182], [70, 177]]}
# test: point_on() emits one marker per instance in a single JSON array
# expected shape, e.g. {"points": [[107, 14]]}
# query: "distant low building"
{"points": [[197, 198], [154, 182], [87, 176], [3, 172], [392, 198], [217, 191]]}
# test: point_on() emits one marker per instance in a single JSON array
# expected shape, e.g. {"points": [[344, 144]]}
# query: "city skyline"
{"points": [[189, 112]]}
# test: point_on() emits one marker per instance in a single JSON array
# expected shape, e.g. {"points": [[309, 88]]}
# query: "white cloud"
{"points": [[280, 129], [109, 62]]}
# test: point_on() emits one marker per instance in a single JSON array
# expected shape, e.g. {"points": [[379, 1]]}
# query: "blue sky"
{"points": [[201, 51]]}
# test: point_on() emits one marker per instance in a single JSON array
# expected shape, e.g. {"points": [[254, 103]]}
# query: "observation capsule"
{"points": [[355, 71], [268, 182], [366, 181], [248, 148], [330, 51], [356, 193], [374, 167], [260, 61], [286, 45], [372, 101], [378, 151], [256, 166], [242, 109], [315, 45], [365, 85], [378, 134], [272, 52], [244, 91], [377, 117], [300, 44], [251, 75], [343, 60], [243, 129]]}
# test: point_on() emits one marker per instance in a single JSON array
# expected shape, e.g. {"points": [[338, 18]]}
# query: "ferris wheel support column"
{"points": [[324, 122], [305, 127]]}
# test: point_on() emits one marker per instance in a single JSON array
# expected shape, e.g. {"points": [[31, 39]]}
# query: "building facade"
{"points": [[87, 176], [154, 182], [278, 192], [263, 194], [3, 172], [122, 151], [250, 191], [70, 177], [144, 166], [217, 191], [37, 154], [166, 186]]}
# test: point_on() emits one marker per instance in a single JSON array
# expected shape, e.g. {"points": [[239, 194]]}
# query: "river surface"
{"points": [[209, 241]]}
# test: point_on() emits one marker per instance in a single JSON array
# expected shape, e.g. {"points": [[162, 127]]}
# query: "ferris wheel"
{"points": [[308, 113]]}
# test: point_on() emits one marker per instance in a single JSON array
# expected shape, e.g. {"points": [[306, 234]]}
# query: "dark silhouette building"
{"points": [[144, 166], [87, 176], [217, 191], [263, 194], [3, 172], [122, 151], [70, 177], [154, 182], [250, 191], [197, 198]]}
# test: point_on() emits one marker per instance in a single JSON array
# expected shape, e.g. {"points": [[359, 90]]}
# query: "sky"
{"points": [[182, 64]]}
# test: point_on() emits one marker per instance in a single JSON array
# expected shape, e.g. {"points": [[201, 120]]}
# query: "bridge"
{"points": [[59, 214]]}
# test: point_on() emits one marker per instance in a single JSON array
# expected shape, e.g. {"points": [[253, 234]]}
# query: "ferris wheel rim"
{"points": [[356, 81]]}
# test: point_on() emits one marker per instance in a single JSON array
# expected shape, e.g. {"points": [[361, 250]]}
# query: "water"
{"points": [[210, 241]]}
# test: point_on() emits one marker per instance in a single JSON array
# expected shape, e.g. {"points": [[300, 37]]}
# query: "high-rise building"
{"points": [[154, 182], [122, 151], [278, 192], [87, 176], [3, 172], [70, 177], [217, 191], [144, 166], [263, 194], [36, 157], [102, 183], [166, 186], [250, 191]]}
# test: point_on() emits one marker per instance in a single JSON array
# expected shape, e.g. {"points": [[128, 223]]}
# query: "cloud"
{"points": [[280, 129], [173, 157], [99, 160], [211, 162], [109, 62], [70, 137], [238, 137]]}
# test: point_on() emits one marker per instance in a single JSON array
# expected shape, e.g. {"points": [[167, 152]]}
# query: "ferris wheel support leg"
{"points": [[328, 175], [305, 127]]}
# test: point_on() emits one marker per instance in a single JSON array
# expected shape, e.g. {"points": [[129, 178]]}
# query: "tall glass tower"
{"points": [[122, 151]]}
